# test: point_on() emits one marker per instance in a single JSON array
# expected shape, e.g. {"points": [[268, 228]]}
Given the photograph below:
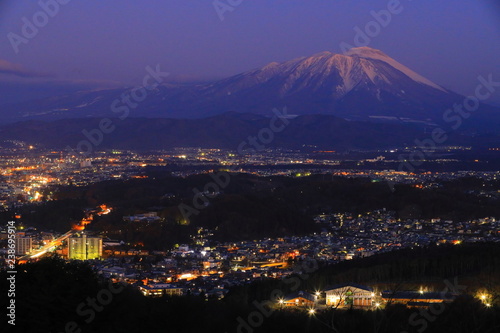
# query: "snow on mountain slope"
{"points": [[369, 53], [341, 72]]}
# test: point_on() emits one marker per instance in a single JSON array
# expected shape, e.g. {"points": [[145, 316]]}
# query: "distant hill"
{"points": [[228, 130]]}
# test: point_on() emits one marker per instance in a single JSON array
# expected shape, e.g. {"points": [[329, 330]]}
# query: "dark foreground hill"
{"points": [[53, 296]]}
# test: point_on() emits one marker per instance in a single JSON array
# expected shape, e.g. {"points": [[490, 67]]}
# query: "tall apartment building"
{"points": [[24, 245], [83, 247]]}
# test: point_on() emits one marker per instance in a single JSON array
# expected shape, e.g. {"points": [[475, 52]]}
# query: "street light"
{"points": [[281, 302], [312, 312]]}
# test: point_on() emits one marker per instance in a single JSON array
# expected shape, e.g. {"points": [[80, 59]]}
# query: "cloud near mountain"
{"points": [[10, 68]]}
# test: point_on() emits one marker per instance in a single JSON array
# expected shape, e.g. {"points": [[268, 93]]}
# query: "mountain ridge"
{"points": [[363, 84]]}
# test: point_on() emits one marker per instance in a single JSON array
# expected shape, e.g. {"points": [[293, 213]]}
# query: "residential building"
{"points": [[84, 248], [24, 245], [160, 289], [300, 298]]}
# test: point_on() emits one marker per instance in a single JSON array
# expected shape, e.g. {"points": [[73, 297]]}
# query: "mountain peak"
{"points": [[365, 51], [322, 54], [326, 60]]}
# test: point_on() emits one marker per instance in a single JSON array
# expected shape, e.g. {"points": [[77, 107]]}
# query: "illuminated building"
{"points": [[160, 289], [24, 245], [300, 299], [417, 299], [85, 164], [84, 248], [346, 295]]}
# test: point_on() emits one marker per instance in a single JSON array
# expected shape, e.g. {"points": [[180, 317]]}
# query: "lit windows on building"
{"points": [[84, 248]]}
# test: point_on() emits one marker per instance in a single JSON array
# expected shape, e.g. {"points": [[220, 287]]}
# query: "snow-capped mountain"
{"points": [[334, 74], [362, 84]]}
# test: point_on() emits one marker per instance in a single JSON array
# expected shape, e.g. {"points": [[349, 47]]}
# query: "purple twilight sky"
{"points": [[98, 42]]}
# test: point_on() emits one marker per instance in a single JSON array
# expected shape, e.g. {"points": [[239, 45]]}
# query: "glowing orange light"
{"points": [[78, 227]]}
